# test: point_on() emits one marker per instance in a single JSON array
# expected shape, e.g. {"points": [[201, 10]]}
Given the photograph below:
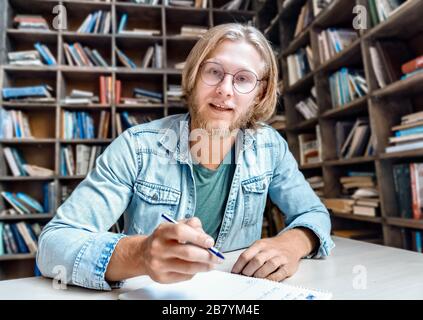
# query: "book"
{"points": [[412, 65], [237, 287]]}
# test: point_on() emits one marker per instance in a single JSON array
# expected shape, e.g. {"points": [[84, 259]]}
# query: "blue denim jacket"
{"points": [[147, 171]]}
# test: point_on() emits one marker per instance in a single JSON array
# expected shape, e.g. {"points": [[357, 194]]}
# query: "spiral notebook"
{"points": [[219, 285]]}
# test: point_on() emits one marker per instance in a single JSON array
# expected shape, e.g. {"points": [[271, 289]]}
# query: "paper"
{"points": [[218, 285]]}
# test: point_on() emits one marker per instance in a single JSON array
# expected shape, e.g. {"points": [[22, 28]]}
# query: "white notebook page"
{"points": [[218, 285]]}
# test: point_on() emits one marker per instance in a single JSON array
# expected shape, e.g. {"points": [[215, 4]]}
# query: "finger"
{"points": [[280, 274], [192, 253], [269, 267], [194, 222], [245, 257], [184, 233], [256, 263], [189, 268]]}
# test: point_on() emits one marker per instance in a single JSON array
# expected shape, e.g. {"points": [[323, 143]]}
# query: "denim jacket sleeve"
{"points": [[296, 199], [76, 241]]}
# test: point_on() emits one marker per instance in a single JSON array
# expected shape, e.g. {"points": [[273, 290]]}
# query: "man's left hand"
{"points": [[271, 258]]}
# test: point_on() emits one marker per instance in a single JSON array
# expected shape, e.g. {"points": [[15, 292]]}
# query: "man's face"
{"points": [[220, 108]]}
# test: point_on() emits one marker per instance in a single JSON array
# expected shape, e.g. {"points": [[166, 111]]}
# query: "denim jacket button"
{"points": [[187, 216], [155, 197]]}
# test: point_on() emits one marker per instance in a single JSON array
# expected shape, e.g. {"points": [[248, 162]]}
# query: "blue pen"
{"points": [[212, 249]]}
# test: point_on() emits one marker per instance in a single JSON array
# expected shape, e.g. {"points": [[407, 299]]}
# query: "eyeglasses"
{"points": [[244, 81]]}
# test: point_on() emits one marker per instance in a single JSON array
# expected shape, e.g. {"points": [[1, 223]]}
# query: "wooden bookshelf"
{"points": [[384, 107], [45, 118]]}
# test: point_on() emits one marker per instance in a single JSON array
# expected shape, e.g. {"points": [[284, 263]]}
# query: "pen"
{"points": [[212, 249]]}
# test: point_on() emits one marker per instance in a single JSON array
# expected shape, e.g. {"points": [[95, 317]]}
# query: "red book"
{"points": [[103, 90], [412, 65], [118, 90]]}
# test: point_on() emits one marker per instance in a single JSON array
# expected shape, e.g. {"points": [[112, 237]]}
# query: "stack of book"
{"points": [[305, 18], [19, 237], [22, 203], [310, 148], [135, 31], [389, 59], [299, 64], [14, 124], [381, 10], [308, 108], [19, 167], [334, 40], [77, 55], [125, 121], [317, 184], [25, 58], [30, 22], [40, 93], [146, 96], [77, 125], [408, 135], [339, 205], [353, 139], [146, 2], [192, 31], [408, 182], [84, 161], [98, 22], [180, 3], [412, 67], [80, 97], [278, 121], [361, 187], [319, 5], [174, 93], [346, 85]]}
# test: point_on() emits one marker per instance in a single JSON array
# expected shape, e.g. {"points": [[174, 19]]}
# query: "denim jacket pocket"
{"points": [[157, 194], [153, 200], [255, 192]]}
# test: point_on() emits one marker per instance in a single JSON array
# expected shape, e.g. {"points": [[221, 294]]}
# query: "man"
{"points": [[211, 170]]}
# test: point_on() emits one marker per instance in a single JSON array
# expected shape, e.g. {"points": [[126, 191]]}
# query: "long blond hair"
{"points": [[266, 105]]}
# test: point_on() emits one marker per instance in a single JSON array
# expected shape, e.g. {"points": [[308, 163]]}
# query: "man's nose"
{"points": [[225, 87]]}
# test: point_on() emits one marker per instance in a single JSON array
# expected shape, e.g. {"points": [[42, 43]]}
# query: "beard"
{"points": [[199, 120]]}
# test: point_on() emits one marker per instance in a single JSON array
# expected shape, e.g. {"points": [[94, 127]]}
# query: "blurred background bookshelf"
{"points": [[109, 70], [352, 101], [116, 64]]}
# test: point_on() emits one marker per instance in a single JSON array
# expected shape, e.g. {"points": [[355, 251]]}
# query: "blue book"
{"points": [[23, 92], [91, 24], [43, 54], [411, 74], [148, 93], [122, 22], [30, 201], [418, 239], [63, 162], [20, 161], [407, 132], [22, 247], [2, 245], [125, 119], [9, 239], [124, 58]]}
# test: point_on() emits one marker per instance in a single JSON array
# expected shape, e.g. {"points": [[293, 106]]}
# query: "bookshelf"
{"points": [[45, 119], [383, 107]]}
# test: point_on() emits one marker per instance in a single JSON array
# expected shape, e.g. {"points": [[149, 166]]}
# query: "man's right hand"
{"points": [[176, 252]]}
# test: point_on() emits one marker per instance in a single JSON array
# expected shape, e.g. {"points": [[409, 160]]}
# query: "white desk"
{"points": [[391, 274]]}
